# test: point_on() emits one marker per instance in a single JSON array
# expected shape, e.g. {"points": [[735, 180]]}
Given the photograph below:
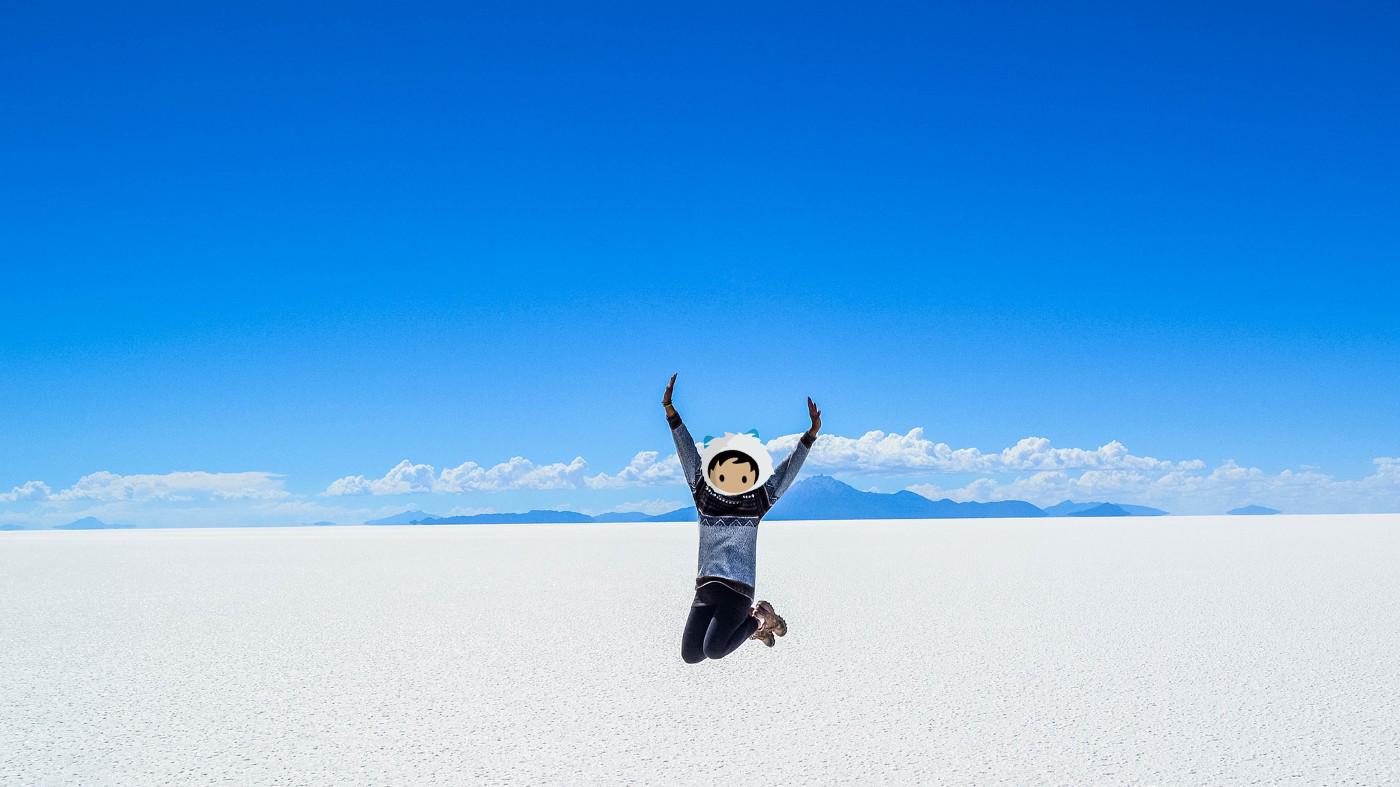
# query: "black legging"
{"points": [[719, 622]]}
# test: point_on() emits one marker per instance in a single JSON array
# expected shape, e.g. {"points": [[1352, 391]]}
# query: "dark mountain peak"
{"points": [[534, 516], [91, 523], [401, 518], [683, 514], [1253, 511], [824, 497], [1102, 509], [621, 516], [1071, 508], [823, 482]]}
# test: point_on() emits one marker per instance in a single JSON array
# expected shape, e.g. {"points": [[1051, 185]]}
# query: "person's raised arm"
{"points": [[787, 469], [685, 444]]}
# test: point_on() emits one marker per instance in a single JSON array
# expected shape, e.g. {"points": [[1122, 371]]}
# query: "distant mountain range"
{"points": [[1071, 508], [815, 497], [1104, 509], [823, 497], [91, 523], [401, 518], [1254, 511], [533, 516]]}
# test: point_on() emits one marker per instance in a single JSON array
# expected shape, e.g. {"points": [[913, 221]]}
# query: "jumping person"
{"points": [[736, 488]]}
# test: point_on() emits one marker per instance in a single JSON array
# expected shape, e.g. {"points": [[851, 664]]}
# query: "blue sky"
{"points": [[300, 245]]}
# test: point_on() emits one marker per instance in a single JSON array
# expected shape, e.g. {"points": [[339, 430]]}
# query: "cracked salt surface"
{"points": [[1173, 651]]}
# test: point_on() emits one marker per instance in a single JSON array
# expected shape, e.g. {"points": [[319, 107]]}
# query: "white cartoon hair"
{"points": [[746, 443]]}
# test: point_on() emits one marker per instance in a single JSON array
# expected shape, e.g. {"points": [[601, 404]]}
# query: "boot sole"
{"points": [[780, 625]]}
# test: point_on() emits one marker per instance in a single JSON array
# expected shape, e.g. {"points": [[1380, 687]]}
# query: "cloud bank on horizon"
{"points": [[1032, 469]]}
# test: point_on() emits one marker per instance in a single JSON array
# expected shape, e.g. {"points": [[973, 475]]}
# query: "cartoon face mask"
{"points": [[736, 463]]}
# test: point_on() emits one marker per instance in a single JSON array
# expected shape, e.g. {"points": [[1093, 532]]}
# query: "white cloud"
{"points": [[404, 478], [1031, 469], [350, 485], [29, 490], [645, 469], [891, 452], [104, 486], [877, 451], [515, 473], [1186, 488], [874, 452], [650, 507], [1036, 453]]}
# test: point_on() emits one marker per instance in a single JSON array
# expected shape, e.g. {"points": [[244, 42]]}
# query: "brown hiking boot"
{"points": [[769, 623]]}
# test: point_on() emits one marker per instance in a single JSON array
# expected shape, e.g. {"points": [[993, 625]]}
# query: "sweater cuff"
{"points": [[808, 439], [674, 421]]}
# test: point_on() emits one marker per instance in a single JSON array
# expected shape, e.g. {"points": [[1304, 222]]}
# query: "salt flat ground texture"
{"points": [[1143, 651]]}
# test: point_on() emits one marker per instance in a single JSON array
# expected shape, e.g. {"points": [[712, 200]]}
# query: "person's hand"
{"points": [[816, 416], [666, 398]]}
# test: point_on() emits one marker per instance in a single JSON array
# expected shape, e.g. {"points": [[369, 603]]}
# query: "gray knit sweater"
{"points": [[729, 523]]}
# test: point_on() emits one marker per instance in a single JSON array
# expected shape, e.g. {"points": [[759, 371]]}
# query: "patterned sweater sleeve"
{"points": [[685, 451], [786, 471]]}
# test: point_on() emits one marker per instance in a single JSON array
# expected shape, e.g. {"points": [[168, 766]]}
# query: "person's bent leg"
{"points": [[697, 623], [731, 625]]}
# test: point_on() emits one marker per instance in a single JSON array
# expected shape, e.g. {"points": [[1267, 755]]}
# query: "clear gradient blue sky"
{"points": [[316, 241]]}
